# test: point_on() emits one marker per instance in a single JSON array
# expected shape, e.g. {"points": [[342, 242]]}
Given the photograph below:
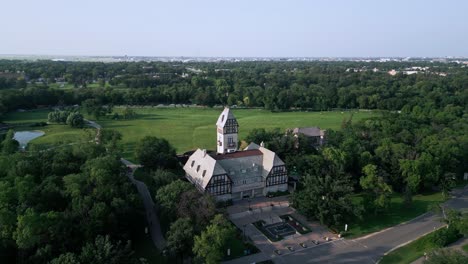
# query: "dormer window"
{"points": [[198, 168], [204, 173], [193, 163], [222, 118]]}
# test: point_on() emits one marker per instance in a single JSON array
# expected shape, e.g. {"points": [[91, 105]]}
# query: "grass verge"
{"points": [[425, 244], [397, 213]]}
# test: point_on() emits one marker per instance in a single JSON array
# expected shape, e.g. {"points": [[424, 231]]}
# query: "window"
{"points": [[198, 168], [204, 172], [193, 163], [231, 142], [222, 118]]}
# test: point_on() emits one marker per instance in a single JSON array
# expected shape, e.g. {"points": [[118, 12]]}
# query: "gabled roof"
{"points": [[309, 131], [207, 164], [270, 159], [224, 116]]}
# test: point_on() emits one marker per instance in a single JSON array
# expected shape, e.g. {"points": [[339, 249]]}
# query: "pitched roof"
{"points": [[224, 116], [208, 167], [308, 131]]}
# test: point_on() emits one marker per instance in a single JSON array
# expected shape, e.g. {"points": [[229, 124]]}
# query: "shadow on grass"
{"points": [[397, 213]]}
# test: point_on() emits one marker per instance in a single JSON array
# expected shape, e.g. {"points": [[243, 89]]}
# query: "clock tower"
{"points": [[227, 132]]}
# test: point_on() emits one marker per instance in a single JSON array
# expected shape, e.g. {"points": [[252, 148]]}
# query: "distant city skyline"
{"points": [[209, 28]]}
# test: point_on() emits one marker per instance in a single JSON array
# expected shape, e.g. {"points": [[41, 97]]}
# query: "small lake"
{"points": [[23, 137]]}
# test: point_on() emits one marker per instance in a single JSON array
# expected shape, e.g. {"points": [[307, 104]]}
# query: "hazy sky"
{"points": [[263, 28]]}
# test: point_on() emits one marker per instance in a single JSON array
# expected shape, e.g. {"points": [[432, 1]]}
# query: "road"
{"points": [[371, 248], [150, 208]]}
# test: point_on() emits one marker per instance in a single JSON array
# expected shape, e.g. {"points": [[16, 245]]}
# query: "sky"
{"points": [[235, 28]]}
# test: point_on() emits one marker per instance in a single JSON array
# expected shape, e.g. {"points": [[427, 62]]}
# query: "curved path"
{"points": [[150, 208], [371, 248]]}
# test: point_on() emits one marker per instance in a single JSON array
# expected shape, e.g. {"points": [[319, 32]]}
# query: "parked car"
{"points": [[278, 252], [315, 242], [291, 248], [304, 245]]}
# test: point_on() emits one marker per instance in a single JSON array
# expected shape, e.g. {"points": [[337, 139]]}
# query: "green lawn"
{"points": [[191, 128], [54, 134], [396, 214], [186, 128]]}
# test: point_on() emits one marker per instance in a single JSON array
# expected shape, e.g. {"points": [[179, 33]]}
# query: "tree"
{"points": [[180, 237], [128, 113], [213, 242], [75, 120], [154, 153], [168, 196], [196, 206], [378, 192], [9, 144], [326, 198]]}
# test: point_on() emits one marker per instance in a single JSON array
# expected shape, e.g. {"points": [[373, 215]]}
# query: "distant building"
{"points": [[316, 134], [234, 174]]}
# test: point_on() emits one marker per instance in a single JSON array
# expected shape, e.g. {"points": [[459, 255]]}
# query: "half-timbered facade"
{"points": [[233, 174]]}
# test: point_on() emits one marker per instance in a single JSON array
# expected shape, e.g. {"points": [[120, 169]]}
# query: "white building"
{"points": [[234, 174]]}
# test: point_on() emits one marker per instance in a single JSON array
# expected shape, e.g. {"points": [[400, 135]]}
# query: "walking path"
{"points": [[150, 208]]}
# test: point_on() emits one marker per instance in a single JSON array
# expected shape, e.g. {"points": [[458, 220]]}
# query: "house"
{"points": [[316, 134], [233, 174]]}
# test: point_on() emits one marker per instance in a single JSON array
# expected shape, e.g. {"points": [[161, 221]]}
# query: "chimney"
{"points": [[262, 144], [204, 153]]}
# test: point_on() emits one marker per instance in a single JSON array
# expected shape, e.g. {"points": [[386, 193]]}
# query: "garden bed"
{"points": [[296, 224]]}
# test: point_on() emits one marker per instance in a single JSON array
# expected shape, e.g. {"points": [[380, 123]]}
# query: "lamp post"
{"points": [[250, 209]]}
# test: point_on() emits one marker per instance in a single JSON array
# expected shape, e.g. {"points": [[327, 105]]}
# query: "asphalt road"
{"points": [[371, 248]]}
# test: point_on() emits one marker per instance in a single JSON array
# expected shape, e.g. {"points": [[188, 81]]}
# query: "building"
{"points": [[233, 174], [316, 134]]}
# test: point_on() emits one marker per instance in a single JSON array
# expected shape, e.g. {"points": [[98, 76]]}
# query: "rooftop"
{"points": [[238, 154]]}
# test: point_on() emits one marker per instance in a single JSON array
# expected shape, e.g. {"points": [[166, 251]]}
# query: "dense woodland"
{"points": [[66, 204], [270, 85]]}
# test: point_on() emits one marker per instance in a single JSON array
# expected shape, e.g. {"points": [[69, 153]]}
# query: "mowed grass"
{"points": [[191, 128], [397, 213], [185, 128], [54, 134]]}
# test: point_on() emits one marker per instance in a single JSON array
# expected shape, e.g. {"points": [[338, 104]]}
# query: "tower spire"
{"points": [[227, 132]]}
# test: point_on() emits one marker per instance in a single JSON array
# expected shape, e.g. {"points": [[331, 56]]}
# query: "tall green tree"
{"points": [[9, 144], [378, 191], [212, 244], [154, 153]]}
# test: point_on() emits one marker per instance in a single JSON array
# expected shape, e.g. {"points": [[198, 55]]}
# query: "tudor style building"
{"points": [[234, 174]]}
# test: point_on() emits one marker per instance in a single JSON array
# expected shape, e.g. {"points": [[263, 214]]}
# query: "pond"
{"points": [[23, 137]]}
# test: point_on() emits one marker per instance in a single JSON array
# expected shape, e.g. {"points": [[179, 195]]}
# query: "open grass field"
{"points": [[396, 214], [185, 128], [191, 128]]}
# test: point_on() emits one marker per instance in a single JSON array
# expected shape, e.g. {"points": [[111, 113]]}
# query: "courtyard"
{"points": [[275, 228]]}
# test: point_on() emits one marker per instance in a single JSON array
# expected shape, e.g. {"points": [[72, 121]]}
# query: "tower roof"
{"points": [[224, 116]]}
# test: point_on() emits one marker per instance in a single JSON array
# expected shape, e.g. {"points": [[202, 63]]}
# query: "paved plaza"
{"points": [[246, 212]]}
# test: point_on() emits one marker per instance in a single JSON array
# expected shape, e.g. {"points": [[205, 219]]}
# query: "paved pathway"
{"points": [[368, 249], [261, 209], [150, 208], [371, 248]]}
